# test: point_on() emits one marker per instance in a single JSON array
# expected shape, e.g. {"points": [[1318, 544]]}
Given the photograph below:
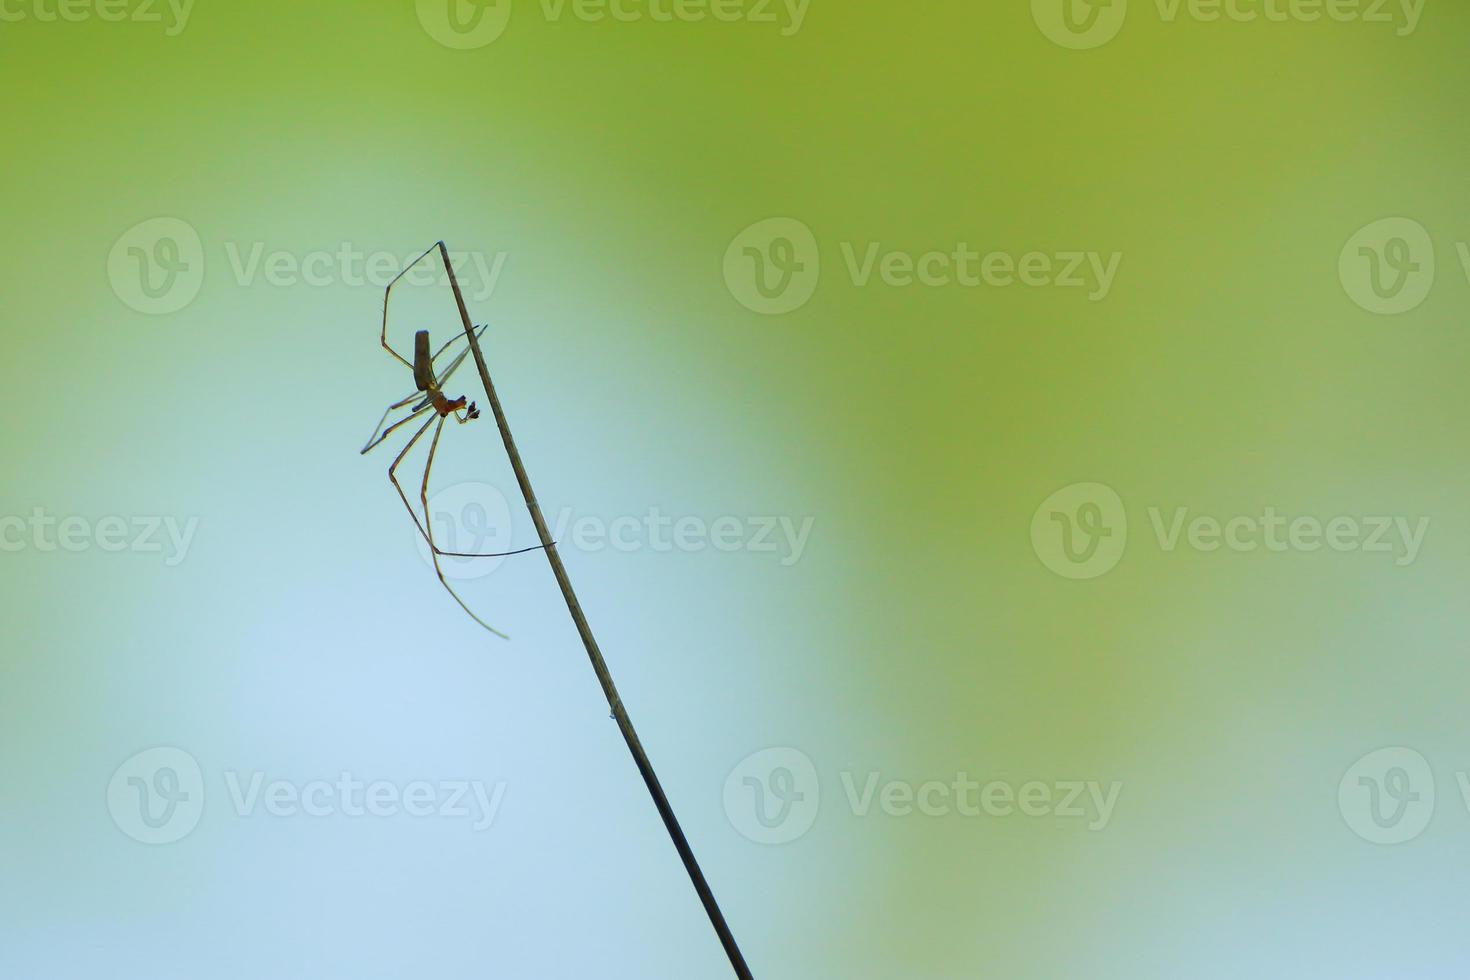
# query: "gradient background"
{"points": [[918, 636]]}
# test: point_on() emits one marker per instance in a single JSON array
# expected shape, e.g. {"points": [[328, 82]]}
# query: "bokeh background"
{"points": [[610, 164]]}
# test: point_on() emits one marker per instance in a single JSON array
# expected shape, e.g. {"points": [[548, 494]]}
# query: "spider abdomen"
{"points": [[423, 363]]}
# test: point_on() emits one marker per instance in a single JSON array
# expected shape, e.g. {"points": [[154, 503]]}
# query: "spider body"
{"points": [[446, 407], [423, 376]]}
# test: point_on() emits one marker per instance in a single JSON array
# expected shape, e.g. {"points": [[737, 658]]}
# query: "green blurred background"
{"points": [[920, 634]]}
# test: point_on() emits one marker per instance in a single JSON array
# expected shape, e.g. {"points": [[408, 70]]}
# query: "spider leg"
{"points": [[393, 476], [479, 332], [460, 357], [387, 294], [380, 434], [429, 523]]}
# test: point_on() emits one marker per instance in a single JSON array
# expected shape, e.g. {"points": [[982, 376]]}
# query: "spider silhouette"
{"points": [[429, 402]]}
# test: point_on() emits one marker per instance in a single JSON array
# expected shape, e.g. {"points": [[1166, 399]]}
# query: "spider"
{"points": [[429, 399]]}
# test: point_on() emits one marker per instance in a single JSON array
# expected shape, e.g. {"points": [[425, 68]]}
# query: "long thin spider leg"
{"points": [[479, 332], [433, 549], [380, 434], [460, 358], [387, 294], [393, 476]]}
